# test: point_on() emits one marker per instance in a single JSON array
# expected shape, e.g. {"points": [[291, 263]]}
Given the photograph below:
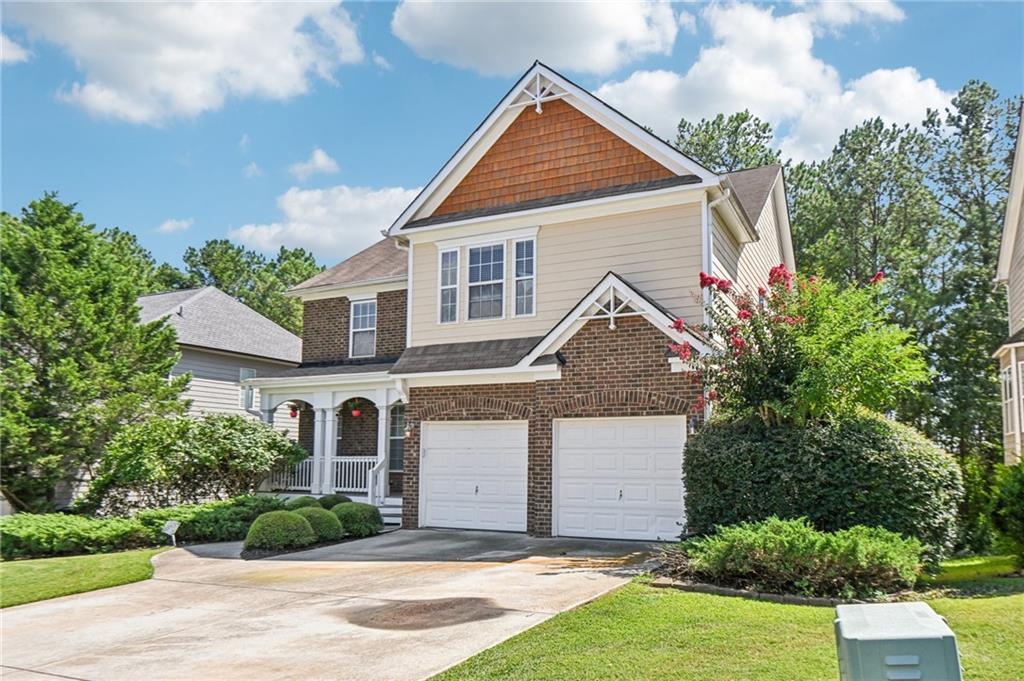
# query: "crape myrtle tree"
{"points": [[76, 365]]}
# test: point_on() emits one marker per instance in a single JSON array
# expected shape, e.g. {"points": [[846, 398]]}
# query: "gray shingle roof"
{"points": [[753, 186], [464, 356], [382, 260], [209, 318], [558, 200]]}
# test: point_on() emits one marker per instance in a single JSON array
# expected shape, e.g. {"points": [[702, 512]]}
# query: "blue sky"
{"points": [[198, 118]]}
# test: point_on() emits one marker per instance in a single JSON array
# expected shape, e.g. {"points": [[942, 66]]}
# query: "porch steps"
{"points": [[390, 509]]}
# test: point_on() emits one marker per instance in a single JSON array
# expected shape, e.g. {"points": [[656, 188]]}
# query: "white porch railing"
{"points": [[298, 477], [350, 473]]}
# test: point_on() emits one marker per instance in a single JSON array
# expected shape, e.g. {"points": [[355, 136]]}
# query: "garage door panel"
{"points": [[474, 475], [619, 477]]}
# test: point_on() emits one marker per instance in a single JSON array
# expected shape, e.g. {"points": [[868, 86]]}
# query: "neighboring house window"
{"points": [[396, 441], [486, 281], [363, 341], [248, 395], [1006, 379], [526, 293], [449, 287]]}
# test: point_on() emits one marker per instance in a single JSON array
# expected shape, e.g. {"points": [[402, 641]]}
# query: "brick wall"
{"points": [[306, 426], [358, 434], [556, 152], [608, 373], [325, 327]]}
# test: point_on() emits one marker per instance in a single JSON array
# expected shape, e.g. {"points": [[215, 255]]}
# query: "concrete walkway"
{"points": [[402, 605]]}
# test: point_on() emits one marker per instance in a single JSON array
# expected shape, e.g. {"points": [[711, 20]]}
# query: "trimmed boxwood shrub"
{"points": [[227, 520], [301, 502], [359, 520], [279, 530], [1008, 508], [329, 501], [325, 524], [860, 470], [28, 535], [790, 556]]}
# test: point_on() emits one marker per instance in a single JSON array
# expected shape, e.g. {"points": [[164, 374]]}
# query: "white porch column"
{"points": [[382, 445], [319, 425], [330, 450]]}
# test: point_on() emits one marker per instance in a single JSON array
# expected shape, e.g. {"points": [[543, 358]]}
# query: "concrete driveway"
{"points": [[402, 605]]}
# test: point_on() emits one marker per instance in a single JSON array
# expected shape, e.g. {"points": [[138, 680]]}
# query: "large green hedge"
{"points": [[1008, 508], [860, 470]]}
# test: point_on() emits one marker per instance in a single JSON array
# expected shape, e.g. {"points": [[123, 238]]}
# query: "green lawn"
{"points": [[640, 632], [27, 581]]}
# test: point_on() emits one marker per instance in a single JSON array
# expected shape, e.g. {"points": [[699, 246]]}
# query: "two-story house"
{"points": [[500, 360], [1011, 274]]}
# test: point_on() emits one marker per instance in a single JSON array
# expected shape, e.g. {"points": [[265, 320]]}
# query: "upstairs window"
{"points": [[247, 398], [486, 282], [363, 337], [526, 293], [448, 310]]}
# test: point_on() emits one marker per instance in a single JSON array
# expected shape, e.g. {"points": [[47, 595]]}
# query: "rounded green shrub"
{"points": [[1008, 508], [358, 520], [325, 524], [329, 501], [858, 470], [279, 530], [301, 502], [790, 556]]}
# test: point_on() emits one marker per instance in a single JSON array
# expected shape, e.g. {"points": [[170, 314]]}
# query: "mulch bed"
{"points": [[788, 599], [258, 554]]}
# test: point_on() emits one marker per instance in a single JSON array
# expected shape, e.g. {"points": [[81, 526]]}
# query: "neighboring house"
{"points": [[499, 361], [1011, 274], [223, 342]]}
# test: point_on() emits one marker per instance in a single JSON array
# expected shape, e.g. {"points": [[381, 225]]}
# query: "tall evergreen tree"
{"points": [[75, 363], [724, 144]]}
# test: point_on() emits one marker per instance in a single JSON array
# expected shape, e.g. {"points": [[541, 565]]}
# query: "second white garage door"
{"points": [[619, 478], [473, 475]]}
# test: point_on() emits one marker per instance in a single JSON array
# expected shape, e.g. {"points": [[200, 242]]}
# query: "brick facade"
{"points": [[306, 426], [559, 151], [325, 327], [608, 373], [358, 433]]}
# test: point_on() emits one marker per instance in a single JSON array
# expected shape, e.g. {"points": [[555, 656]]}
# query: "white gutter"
{"points": [[318, 379]]}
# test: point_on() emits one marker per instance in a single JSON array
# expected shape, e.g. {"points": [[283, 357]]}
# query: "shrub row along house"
{"points": [[499, 361]]}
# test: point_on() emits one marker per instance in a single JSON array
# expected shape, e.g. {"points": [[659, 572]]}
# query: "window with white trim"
{"points": [[396, 438], [1006, 380], [448, 281], [486, 281], [363, 338], [247, 397], [525, 274], [1020, 396]]}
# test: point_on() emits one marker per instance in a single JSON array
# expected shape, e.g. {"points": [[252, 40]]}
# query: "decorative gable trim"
{"points": [[611, 299], [538, 85]]}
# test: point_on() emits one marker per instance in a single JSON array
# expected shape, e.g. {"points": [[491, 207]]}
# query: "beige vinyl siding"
{"points": [[748, 264], [658, 251], [215, 386], [1015, 284]]}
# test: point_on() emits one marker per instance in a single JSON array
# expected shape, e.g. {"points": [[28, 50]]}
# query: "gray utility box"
{"points": [[895, 641]]}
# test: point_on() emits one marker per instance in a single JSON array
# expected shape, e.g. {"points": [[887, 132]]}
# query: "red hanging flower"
{"points": [[877, 279], [724, 285], [678, 325], [707, 280], [744, 314]]}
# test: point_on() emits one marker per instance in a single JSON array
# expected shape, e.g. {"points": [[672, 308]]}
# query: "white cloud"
{"points": [[251, 170], [244, 141], [382, 62], [171, 226], [10, 51], [318, 162], [765, 63], [333, 223], [148, 62], [838, 13], [503, 38]]}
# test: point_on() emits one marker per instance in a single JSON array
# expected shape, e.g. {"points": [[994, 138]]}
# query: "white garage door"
{"points": [[473, 475], [619, 478]]}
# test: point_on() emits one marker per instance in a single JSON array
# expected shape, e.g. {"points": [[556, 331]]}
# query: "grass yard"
{"points": [[640, 632], [27, 581]]}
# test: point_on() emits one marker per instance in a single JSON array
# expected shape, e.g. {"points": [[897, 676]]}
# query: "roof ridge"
{"points": [[762, 167]]}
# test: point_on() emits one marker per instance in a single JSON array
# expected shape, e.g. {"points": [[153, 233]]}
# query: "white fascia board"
{"points": [[734, 216], [572, 322], [568, 212], [363, 289], [376, 378], [502, 116], [1003, 349], [486, 237], [782, 221], [489, 374]]}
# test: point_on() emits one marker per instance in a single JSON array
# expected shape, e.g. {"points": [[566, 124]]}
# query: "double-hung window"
{"points": [[1006, 381], [248, 395], [363, 339], [486, 281], [526, 292], [449, 287], [396, 439]]}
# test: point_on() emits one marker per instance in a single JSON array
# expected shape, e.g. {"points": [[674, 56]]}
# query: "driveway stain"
{"points": [[424, 614]]}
